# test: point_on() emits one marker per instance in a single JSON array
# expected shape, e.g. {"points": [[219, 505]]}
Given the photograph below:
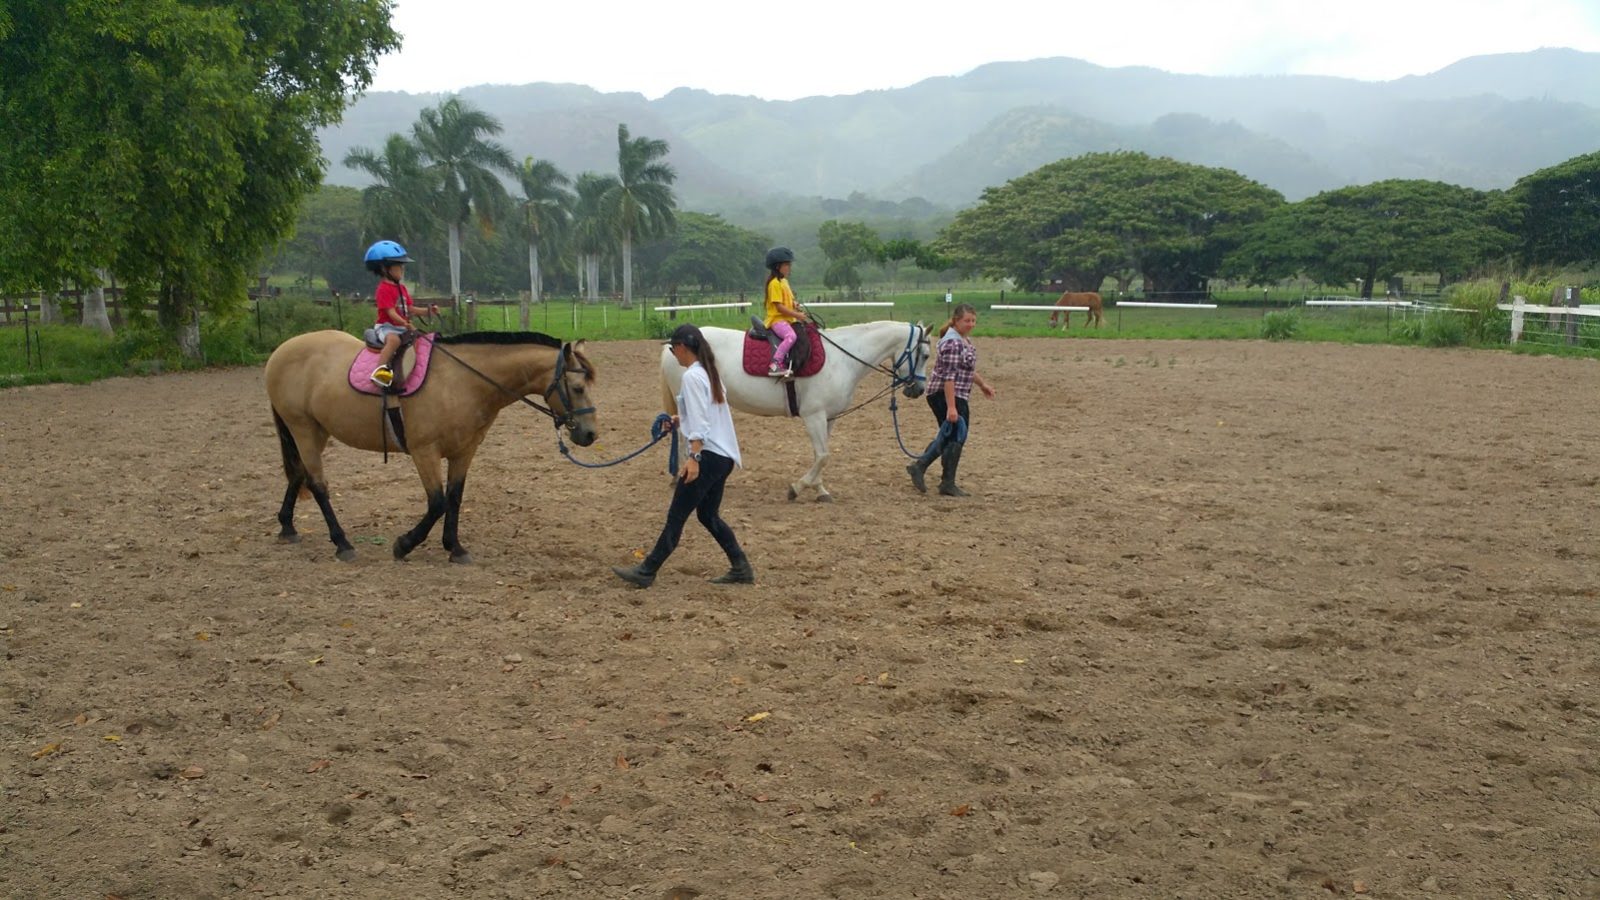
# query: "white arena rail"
{"points": [[1056, 308], [862, 303], [1167, 305], [700, 306], [1391, 304]]}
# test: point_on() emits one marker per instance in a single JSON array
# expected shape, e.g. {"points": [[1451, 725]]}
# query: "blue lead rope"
{"points": [[946, 429], [659, 429]]}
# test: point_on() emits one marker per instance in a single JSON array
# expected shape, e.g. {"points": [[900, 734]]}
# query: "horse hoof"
{"points": [[792, 494], [346, 554], [462, 557], [288, 538], [824, 498], [401, 550]]}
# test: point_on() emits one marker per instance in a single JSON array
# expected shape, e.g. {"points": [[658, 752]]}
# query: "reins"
{"points": [[558, 386]]}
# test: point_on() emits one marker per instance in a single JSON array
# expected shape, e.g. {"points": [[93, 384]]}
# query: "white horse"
{"points": [[853, 353]]}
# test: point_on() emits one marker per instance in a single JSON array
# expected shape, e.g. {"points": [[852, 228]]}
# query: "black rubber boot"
{"points": [[952, 461], [643, 575], [919, 466], [739, 572]]}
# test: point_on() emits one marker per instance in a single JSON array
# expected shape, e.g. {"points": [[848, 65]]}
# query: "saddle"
{"points": [[410, 365], [805, 357]]}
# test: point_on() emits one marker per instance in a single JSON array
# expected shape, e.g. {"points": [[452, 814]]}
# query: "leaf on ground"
{"points": [[318, 766], [80, 719], [317, 661], [418, 776], [272, 720], [757, 717], [761, 798], [883, 677], [192, 772], [1359, 887], [113, 738], [565, 801], [859, 679], [46, 750], [202, 635], [961, 810], [621, 762], [877, 798], [292, 686]]}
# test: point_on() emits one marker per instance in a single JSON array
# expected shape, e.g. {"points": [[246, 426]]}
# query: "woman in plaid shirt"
{"points": [[955, 371]]}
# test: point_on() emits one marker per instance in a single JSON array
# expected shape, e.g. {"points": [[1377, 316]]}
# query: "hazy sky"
{"points": [[782, 51]]}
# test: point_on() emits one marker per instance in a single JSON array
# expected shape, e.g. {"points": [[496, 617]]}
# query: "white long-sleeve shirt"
{"points": [[704, 420]]}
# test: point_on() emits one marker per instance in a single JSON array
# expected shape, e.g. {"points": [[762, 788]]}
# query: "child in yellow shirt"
{"points": [[781, 311]]}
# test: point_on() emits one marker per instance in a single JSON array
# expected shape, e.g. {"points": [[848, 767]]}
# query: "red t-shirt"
{"points": [[392, 295]]}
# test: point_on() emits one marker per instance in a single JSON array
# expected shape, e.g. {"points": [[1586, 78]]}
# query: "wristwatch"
{"points": [[694, 456]]}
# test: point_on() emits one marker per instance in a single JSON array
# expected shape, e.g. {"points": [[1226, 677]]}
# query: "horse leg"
{"points": [[311, 447], [818, 427], [456, 486], [287, 535], [427, 463]]}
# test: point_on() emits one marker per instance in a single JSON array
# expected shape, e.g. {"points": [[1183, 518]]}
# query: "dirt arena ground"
{"points": [[1220, 620]]}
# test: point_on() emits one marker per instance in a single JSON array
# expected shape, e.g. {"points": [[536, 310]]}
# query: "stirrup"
{"points": [[383, 376], [776, 372]]}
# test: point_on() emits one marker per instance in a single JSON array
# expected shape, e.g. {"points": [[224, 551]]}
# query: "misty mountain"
{"points": [[1482, 122]]}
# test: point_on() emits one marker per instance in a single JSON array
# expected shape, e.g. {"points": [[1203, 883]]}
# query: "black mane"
{"points": [[502, 337]]}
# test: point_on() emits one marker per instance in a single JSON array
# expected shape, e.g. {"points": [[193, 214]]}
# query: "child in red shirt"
{"points": [[387, 260]]}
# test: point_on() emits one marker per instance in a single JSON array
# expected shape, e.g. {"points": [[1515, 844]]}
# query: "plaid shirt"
{"points": [[956, 360]]}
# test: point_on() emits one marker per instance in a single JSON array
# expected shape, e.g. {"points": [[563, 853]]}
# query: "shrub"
{"points": [[1443, 329], [1279, 326]]}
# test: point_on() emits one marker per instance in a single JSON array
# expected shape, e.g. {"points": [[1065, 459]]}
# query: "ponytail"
{"points": [[960, 310], [690, 336]]}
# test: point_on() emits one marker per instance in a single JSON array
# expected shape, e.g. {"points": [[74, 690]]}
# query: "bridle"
{"points": [[912, 356], [558, 387]]}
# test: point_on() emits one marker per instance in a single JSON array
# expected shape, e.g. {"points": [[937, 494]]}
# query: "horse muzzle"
{"points": [[913, 390], [582, 435]]}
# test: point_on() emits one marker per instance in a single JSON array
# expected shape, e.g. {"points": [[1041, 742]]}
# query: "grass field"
{"points": [[72, 354]]}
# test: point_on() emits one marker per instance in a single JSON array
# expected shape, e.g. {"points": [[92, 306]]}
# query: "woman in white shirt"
{"points": [[707, 426]]}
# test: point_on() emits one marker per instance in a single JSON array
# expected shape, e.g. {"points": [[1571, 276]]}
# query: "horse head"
{"points": [[919, 350], [568, 393]]}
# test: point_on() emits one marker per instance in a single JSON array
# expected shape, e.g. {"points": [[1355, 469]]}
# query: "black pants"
{"points": [[702, 496], [936, 402]]}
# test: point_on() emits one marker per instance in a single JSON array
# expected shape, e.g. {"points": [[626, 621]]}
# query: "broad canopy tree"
{"points": [[455, 140], [704, 251], [1559, 212], [1085, 218], [168, 142], [1377, 231]]}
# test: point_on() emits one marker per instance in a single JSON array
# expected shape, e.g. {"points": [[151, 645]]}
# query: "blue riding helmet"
{"points": [[383, 253]]}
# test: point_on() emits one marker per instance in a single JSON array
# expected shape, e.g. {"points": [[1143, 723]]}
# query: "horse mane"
{"points": [[502, 337], [518, 338]]}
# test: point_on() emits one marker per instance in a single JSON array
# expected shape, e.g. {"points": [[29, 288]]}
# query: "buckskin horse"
{"points": [[480, 374], [1078, 298], [853, 353]]}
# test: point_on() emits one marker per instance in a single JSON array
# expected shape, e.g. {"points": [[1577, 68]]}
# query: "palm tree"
{"points": [[396, 205], [594, 228], [641, 201], [546, 211], [454, 144]]}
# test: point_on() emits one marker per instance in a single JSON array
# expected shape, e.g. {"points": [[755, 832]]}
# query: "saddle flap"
{"points": [[805, 357], [410, 366]]}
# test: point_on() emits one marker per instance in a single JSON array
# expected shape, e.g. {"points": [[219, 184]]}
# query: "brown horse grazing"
{"points": [[472, 377], [1079, 298]]}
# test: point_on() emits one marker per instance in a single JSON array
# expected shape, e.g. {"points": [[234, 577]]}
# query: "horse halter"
{"points": [[914, 355], [558, 386]]}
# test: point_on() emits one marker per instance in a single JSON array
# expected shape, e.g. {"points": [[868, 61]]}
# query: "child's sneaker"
{"points": [[383, 376], [777, 371]]}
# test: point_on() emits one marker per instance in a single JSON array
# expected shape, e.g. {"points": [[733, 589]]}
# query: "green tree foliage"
{"points": [[1085, 218], [706, 252], [1378, 231], [641, 200], [544, 213], [328, 242], [167, 142], [1559, 212], [847, 246], [455, 140], [594, 228], [398, 205]]}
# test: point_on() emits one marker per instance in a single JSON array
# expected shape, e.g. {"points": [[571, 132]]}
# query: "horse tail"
{"points": [[294, 468]]}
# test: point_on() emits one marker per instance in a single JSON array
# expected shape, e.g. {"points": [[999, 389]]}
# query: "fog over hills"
{"points": [[1481, 122]]}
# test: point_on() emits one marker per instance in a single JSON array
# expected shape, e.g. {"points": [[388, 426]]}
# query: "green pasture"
{"points": [[247, 336]]}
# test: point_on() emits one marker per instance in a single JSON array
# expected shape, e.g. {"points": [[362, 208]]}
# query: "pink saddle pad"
{"points": [[367, 361]]}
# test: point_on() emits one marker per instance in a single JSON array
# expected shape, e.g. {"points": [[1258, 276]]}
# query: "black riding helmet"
{"points": [[777, 256]]}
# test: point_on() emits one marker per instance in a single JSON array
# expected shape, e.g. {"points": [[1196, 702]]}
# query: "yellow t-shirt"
{"points": [[778, 291]]}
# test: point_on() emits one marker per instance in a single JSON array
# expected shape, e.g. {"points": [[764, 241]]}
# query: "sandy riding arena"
{"points": [[1219, 620]]}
